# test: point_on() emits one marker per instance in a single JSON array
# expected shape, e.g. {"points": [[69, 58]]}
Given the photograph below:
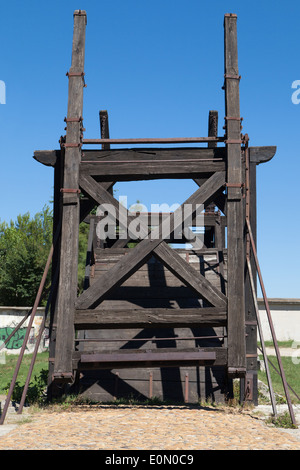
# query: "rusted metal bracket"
{"points": [[72, 145], [70, 190], [229, 118], [77, 74], [248, 387], [63, 377], [234, 185], [75, 119], [233, 141], [233, 77]]}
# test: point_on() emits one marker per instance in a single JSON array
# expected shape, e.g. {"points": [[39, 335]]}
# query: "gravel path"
{"points": [[141, 427]]}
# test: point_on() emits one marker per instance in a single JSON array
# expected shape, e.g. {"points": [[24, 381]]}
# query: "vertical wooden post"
{"points": [[67, 291], [209, 232], [57, 217], [235, 206], [250, 310]]}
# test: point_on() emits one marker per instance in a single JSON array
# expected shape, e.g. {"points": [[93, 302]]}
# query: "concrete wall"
{"points": [[10, 317], [285, 315]]}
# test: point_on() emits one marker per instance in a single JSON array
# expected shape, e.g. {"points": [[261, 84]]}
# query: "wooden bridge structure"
{"points": [[154, 320]]}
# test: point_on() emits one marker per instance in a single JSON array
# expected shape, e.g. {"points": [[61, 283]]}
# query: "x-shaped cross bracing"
{"points": [[153, 245]]}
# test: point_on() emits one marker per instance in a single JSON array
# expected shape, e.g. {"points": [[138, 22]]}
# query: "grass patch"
{"points": [[38, 378], [281, 344], [282, 421], [292, 374]]}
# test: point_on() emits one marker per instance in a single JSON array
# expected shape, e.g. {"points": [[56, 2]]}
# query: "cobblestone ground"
{"points": [[145, 428]]}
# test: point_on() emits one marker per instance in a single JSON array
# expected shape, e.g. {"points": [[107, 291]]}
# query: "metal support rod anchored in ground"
{"points": [[282, 373]]}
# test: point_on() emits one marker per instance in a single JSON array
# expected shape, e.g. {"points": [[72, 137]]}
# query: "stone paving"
{"points": [[144, 428]]}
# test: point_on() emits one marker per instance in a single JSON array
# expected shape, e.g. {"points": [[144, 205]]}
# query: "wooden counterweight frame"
{"points": [[85, 177]]}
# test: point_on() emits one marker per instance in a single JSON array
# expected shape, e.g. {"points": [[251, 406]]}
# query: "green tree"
{"points": [[82, 252], [24, 249]]}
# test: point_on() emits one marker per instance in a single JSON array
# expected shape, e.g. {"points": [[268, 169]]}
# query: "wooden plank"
{"points": [[153, 154], [148, 358], [189, 276], [150, 318], [212, 132], [205, 383], [154, 140], [67, 291], [235, 210], [108, 252], [139, 255], [250, 304], [257, 154], [261, 154], [220, 358], [145, 169], [104, 128], [47, 157]]}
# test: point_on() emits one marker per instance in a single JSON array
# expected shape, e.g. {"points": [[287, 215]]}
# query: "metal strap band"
{"points": [[70, 190], [233, 141], [75, 74], [233, 118], [72, 145], [233, 77], [80, 119]]}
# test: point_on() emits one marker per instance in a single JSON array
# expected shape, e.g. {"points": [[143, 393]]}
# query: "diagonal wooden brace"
{"points": [[141, 253]]}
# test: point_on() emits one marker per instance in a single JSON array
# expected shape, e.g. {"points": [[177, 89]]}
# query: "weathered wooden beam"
{"points": [[154, 140], [257, 154], [149, 358], [189, 276], [235, 209], [104, 128], [149, 169], [47, 157], [212, 131], [67, 292], [261, 154], [152, 154], [150, 318], [139, 255], [162, 357]]}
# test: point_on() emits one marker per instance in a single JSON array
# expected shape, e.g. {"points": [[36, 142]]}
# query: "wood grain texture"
{"points": [[235, 207], [67, 291], [141, 253]]}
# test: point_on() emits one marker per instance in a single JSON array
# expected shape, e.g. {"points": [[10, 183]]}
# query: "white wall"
{"points": [[10, 317], [285, 314]]}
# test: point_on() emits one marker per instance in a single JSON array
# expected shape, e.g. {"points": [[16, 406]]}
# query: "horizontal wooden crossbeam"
{"points": [[149, 318], [168, 140], [153, 154], [162, 357], [256, 154], [148, 169]]}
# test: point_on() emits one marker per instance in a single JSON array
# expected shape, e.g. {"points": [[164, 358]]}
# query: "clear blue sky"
{"points": [[157, 67]]}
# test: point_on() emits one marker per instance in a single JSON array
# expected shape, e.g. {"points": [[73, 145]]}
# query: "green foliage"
{"points": [[36, 389], [292, 374], [282, 421], [24, 249], [82, 249]]}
